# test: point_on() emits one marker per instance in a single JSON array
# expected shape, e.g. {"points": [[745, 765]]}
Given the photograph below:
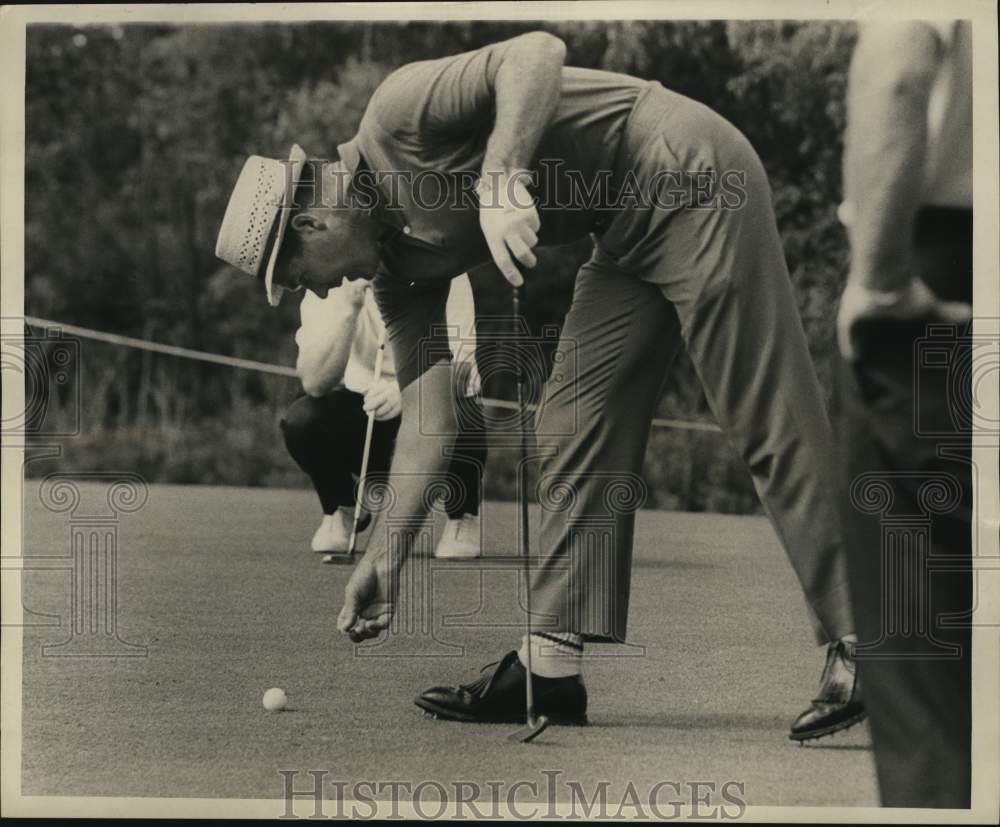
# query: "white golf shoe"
{"points": [[333, 533], [461, 539]]}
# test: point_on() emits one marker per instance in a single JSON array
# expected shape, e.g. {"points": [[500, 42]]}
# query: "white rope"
{"points": [[280, 370], [170, 350]]}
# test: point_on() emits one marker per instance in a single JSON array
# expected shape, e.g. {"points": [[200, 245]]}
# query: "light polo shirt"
{"points": [[427, 126], [321, 318], [421, 144]]}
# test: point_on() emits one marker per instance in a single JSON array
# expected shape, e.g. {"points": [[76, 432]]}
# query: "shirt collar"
{"points": [[392, 220]]}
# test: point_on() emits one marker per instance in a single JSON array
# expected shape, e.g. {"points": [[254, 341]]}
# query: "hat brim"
{"points": [[297, 158]]}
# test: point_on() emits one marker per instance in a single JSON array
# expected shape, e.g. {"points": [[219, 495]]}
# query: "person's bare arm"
{"points": [[322, 359], [890, 81], [423, 444], [526, 90]]}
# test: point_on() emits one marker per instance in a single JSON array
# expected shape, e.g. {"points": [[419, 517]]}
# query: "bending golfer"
{"points": [[699, 265], [324, 429]]}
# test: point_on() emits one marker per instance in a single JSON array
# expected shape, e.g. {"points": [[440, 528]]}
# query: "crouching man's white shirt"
{"points": [[320, 320]]}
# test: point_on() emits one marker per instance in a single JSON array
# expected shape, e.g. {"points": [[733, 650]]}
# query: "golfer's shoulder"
{"points": [[394, 103], [415, 78], [416, 94]]}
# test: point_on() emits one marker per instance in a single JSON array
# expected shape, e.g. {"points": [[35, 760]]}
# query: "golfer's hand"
{"points": [[383, 400], [356, 290], [369, 600], [913, 301], [510, 223]]}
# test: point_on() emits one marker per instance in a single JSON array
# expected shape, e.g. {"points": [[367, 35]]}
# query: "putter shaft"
{"points": [[534, 725], [362, 478], [348, 556]]}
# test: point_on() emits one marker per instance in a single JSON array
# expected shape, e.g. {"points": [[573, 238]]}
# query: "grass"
{"points": [[217, 584]]}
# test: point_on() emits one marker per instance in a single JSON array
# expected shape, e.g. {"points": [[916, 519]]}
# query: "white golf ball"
{"points": [[275, 700]]}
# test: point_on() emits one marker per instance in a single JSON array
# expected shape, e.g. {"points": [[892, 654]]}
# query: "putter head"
{"points": [[342, 558], [530, 731]]}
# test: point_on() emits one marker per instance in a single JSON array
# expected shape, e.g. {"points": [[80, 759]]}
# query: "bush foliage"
{"points": [[136, 133]]}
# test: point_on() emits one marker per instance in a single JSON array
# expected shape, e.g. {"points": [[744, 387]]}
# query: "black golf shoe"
{"points": [[839, 704], [498, 696]]}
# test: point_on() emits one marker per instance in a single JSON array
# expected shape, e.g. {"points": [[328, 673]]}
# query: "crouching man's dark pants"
{"points": [[326, 437]]}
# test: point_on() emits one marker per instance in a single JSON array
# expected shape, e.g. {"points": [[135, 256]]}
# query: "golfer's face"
{"points": [[340, 251], [349, 247]]}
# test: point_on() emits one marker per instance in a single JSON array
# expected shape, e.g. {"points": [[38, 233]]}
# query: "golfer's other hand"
{"points": [[368, 604], [913, 301], [355, 290], [510, 223], [383, 400]]}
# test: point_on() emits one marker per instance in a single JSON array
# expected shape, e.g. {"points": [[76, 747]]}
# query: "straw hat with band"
{"points": [[257, 217]]}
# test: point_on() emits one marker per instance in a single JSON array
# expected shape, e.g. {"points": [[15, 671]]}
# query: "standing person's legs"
{"points": [[722, 267], [618, 340], [905, 457], [714, 251], [750, 352]]}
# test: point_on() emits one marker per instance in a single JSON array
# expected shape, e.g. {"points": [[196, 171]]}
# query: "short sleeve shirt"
{"points": [[319, 319], [422, 140]]}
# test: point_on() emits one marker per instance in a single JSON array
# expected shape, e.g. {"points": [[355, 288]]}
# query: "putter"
{"points": [[535, 725], [348, 557]]}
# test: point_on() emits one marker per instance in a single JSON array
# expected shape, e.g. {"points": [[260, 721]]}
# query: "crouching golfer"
{"points": [[324, 430], [698, 266]]}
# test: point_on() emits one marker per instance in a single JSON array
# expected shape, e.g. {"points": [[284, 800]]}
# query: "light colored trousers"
{"points": [[715, 281]]}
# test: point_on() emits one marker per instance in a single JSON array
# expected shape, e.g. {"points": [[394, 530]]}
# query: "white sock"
{"points": [[553, 655]]}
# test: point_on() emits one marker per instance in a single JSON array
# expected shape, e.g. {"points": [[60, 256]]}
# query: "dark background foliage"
{"points": [[135, 135]]}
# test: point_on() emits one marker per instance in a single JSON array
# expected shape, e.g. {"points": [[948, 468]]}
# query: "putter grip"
{"points": [[517, 295]]}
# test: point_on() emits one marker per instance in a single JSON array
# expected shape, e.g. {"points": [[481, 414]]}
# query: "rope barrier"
{"points": [[156, 347], [278, 370]]}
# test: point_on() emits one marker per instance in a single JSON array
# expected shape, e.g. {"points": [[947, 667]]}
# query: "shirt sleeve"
{"points": [[311, 334], [416, 331], [366, 338], [322, 322], [451, 96]]}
